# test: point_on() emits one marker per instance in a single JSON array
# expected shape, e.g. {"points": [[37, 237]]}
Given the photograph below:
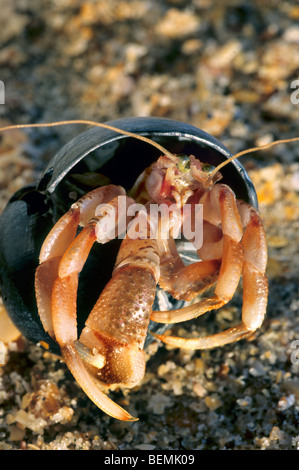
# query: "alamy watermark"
{"points": [[2, 92], [158, 221]]}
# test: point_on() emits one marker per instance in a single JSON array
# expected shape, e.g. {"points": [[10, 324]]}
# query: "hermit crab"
{"points": [[87, 270]]}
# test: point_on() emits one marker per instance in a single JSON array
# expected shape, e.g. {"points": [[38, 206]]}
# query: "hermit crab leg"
{"points": [[255, 284], [64, 231], [57, 242], [230, 335], [222, 197], [184, 282], [255, 287], [62, 234]]}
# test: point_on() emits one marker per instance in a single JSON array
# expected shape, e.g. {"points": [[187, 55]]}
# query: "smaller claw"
{"points": [[88, 385]]}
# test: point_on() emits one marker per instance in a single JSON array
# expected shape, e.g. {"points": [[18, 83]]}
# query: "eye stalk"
{"points": [[184, 163], [207, 168]]}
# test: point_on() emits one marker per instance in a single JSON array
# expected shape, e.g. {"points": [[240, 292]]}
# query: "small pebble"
{"points": [[244, 402], [286, 402], [213, 402]]}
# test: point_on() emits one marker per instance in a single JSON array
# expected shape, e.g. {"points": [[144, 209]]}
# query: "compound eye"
{"points": [[207, 168], [184, 163]]}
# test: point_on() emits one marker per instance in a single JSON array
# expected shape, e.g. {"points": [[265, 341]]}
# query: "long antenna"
{"points": [[145, 139], [253, 149], [92, 123]]}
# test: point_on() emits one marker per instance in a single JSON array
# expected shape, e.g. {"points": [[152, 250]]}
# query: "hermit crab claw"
{"points": [[89, 386]]}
